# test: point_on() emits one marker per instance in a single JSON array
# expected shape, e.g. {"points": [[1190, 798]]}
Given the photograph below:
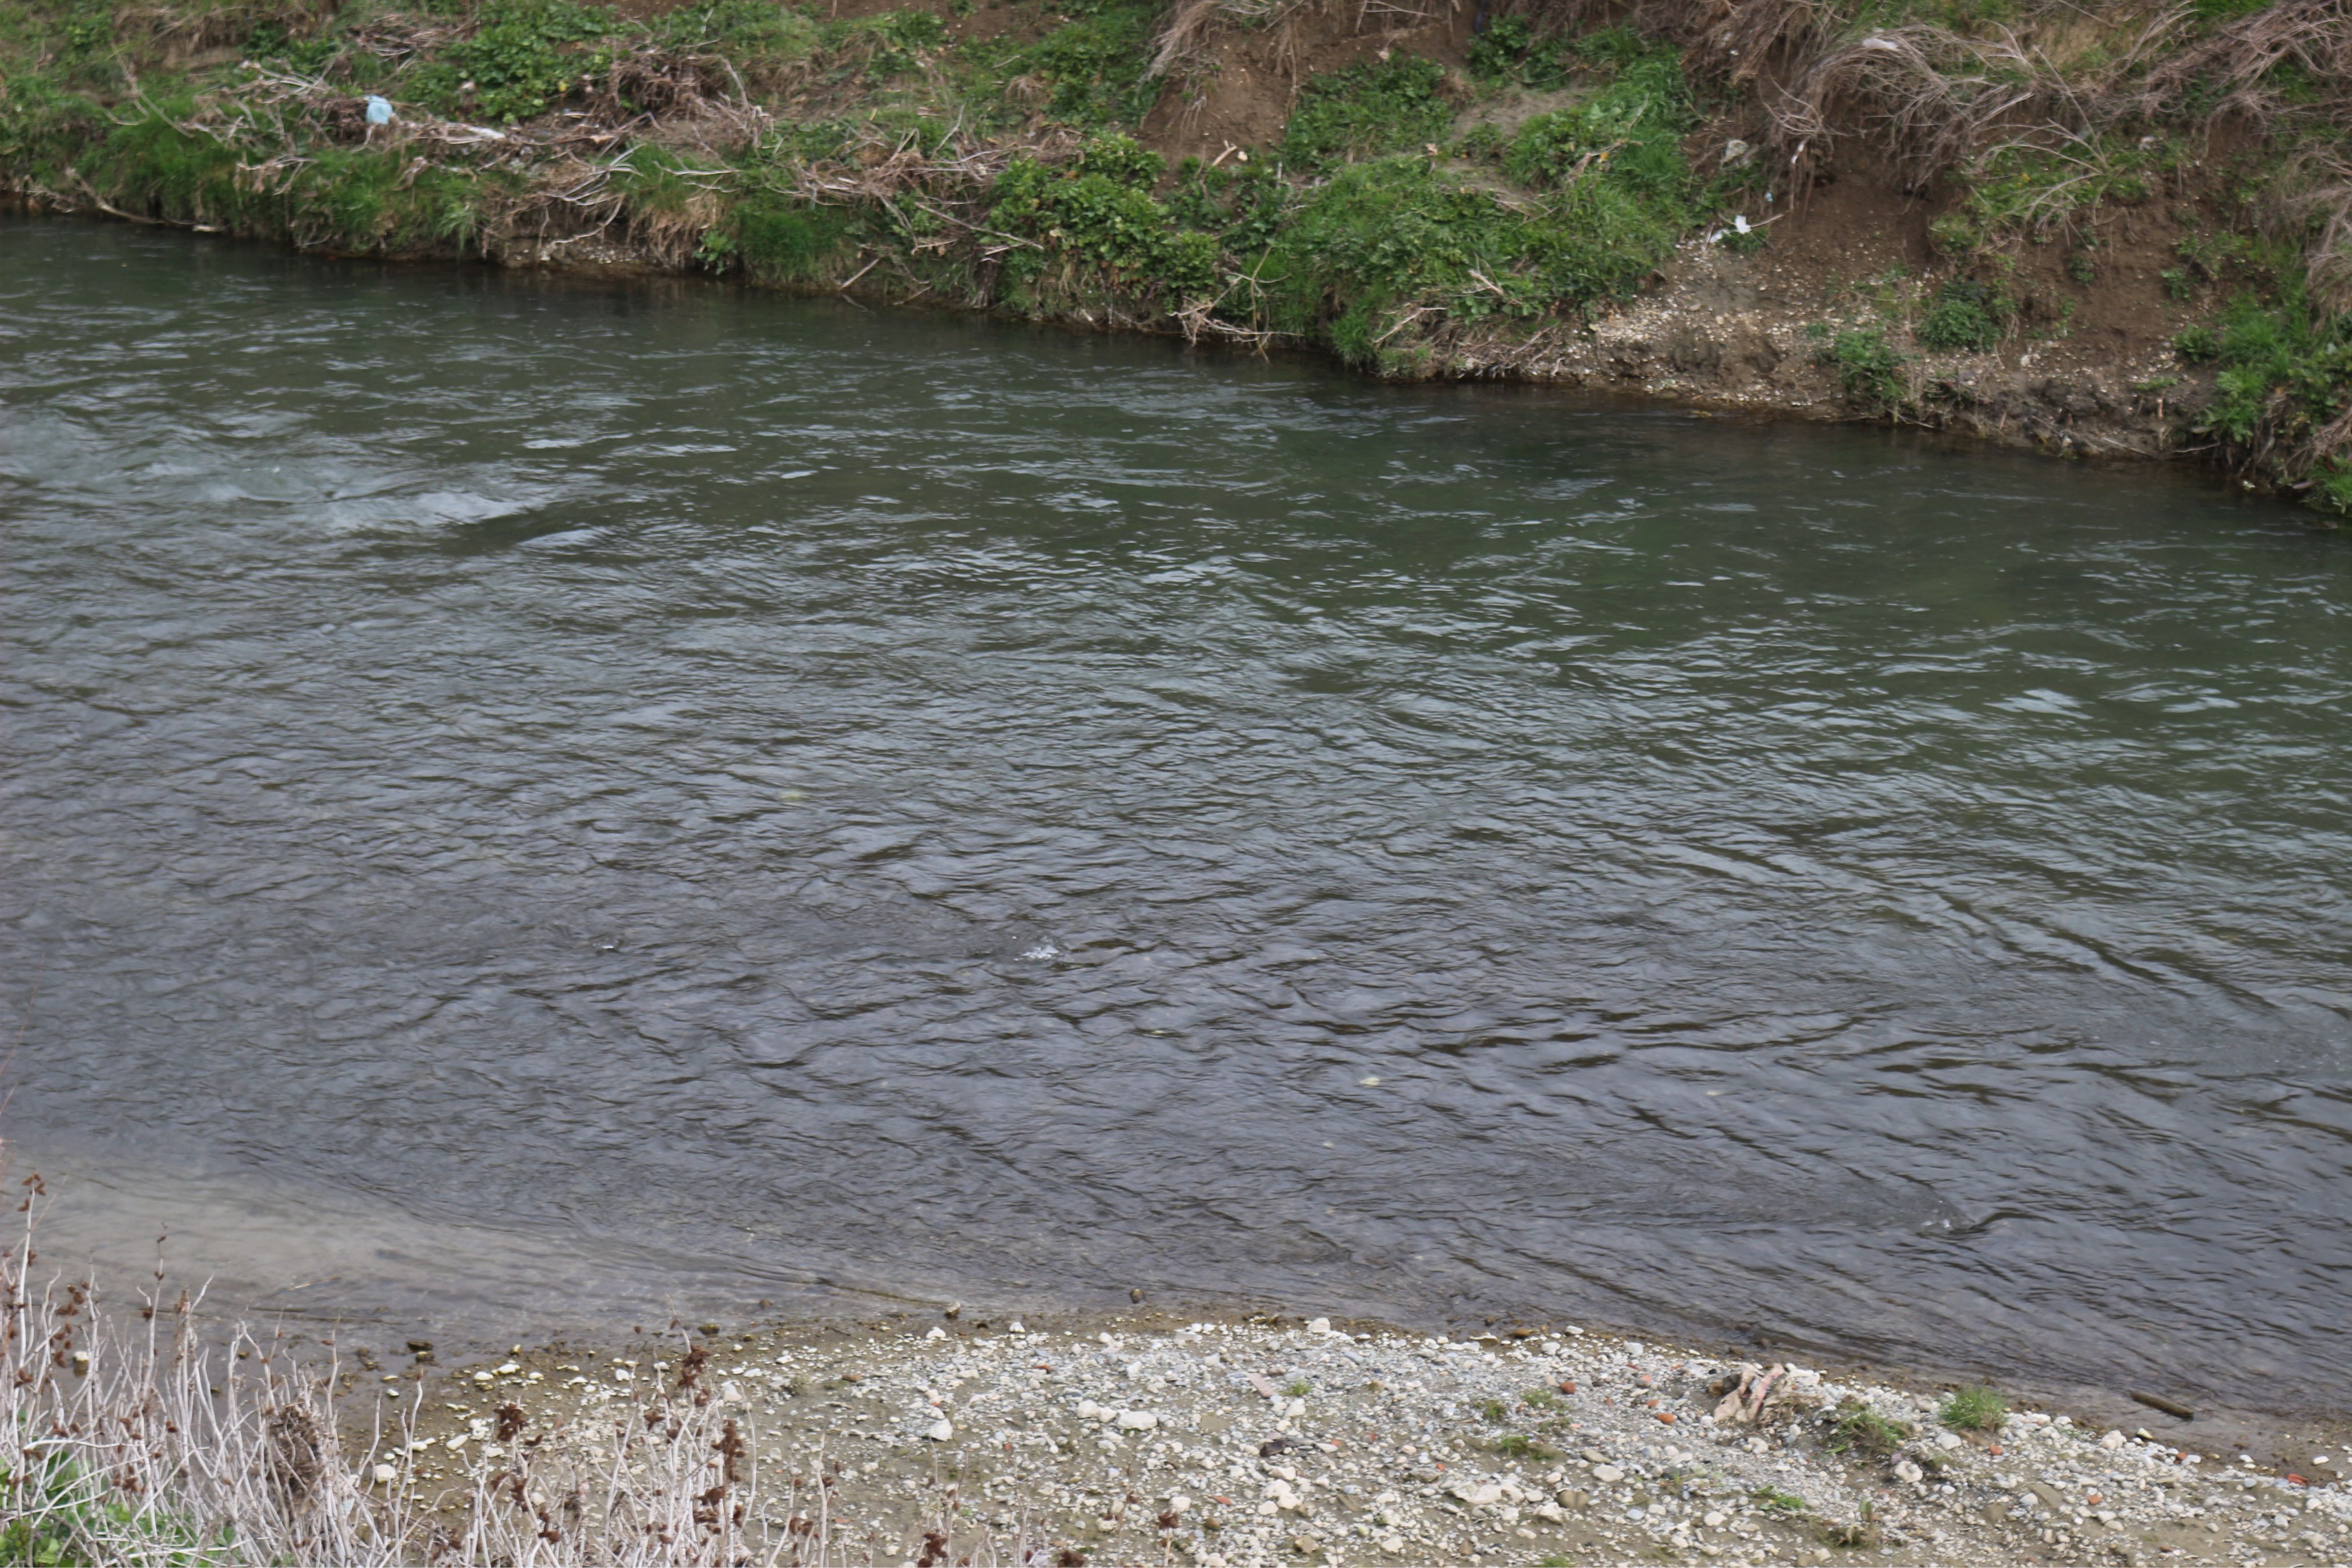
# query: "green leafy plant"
{"points": [[1869, 369], [1367, 110], [522, 57], [1099, 214], [1511, 52], [1094, 70], [1967, 314], [1773, 1500]]}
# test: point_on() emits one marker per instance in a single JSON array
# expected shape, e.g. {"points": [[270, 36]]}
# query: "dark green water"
{"points": [[531, 799]]}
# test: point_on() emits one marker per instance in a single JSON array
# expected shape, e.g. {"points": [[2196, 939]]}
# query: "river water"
{"points": [[541, 799]]}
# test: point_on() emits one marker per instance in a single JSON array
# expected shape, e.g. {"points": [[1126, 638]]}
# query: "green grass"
{"points": [[1973, 1408], [1773, 1500], [1857, 1428], [777, 241]]}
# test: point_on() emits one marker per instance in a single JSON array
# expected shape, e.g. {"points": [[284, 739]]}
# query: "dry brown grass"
{"points": [[133, 1442]]}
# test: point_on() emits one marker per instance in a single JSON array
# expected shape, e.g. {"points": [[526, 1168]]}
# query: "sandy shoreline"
{"points": [[1134, 1440]]}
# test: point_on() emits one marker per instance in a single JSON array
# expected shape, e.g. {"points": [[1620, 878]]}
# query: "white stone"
{"points": [[1392, 1545], [510, 1369], [1179, 1503], [1947, 1441], [2111, 1440], [386, 1475], [1608, 1475], [1714, 1519], [937, 1332], [1320, 1326], [1294, 1409], [1905, 1471], [939, 1432], [1137, 1420]]}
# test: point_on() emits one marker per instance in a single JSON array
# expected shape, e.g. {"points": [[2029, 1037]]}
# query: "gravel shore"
{"points": [[1236, 1445]]}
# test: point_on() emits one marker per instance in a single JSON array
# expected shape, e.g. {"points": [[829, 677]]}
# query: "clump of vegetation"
{"points": [[1094, 70], [1967, 314], [1771, 1500], [1098, 216], [1869, 368], [1511, 52], [1381, 107], [2284, 385], [522, 57], [1973, 1408], [1856, 1427]]}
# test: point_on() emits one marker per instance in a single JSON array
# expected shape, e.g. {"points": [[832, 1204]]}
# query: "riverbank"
{"points": [[1275, 1439], [2121, 234], [1224, 1444]]}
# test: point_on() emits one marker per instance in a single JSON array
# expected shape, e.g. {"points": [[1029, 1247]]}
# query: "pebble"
{"points": [[1402, 1457]]}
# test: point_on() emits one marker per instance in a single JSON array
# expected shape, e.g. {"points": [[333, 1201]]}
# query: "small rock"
{"points": [[1947, 1441], [1392, 1545], [1608, 1475], [939, 1432], [1906, 1471], [937, 1332], [1137, 1420], [386, 1475], [1715, 1519], [2111, 1440], [1319, 1325]]}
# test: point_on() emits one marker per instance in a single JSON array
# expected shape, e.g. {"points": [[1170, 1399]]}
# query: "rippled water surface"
{"points": [[528, 794]]}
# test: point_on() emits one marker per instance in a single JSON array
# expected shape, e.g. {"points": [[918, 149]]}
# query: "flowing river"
{"points": [[557, 800]]}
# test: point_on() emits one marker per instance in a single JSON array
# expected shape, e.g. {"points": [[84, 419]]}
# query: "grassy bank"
{"points": [[1428, 193]]}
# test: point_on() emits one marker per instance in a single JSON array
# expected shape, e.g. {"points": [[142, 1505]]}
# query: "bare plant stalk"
{"points": [[135, 1442]]}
